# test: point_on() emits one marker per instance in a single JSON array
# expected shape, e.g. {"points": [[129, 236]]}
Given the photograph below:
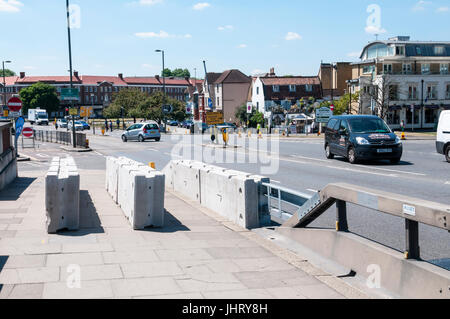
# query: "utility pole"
{"points": [[164, 88], [71, 73]]}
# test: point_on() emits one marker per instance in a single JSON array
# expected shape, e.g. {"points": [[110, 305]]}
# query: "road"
{"points": [[303, 167]]}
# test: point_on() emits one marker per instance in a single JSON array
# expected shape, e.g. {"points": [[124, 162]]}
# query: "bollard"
{"points": [[152, 165], [249, 133], [240, 135], [403, 136], [87, 143]]}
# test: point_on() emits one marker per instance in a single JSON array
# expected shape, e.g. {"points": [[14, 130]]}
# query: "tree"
{"points": [[342, 105], [255, 117], [129, 99], [8, 72], [179, 73], [40, 95], [381, 91]]}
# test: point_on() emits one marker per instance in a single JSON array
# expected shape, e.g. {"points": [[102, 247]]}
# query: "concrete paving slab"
{"points": [[96, 272], [252, 294], [88, 290], [153, 269], [183, 254], [127, 257], [77, 258], [144, 287]]}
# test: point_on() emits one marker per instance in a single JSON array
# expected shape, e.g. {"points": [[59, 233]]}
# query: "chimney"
{"points": [[121, 76], [75, 74], [157, 77], [22, 75], [272, 71]]}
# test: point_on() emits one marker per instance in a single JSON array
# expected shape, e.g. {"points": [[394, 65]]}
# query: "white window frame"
{"points": [[407, 68], [292, 88], [443, 68], [412, 92], [308, 87], [422, 68], [433, 93], [439, 50], [276, 88], [389, 67]]}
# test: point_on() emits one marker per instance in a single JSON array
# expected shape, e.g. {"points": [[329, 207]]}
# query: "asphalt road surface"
{"points": [[301, 166]]}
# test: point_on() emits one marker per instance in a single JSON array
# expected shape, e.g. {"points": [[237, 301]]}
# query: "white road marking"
{"points": [[362, 172], [42, 155], [274, 181], [447, 183]]}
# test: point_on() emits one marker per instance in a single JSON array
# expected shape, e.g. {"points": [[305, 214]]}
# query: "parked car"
{"points": [[443, 135], [173, 123], [361, 137], [188, 124], [86, 126], [62, 123], [142, 131], [78, 126]]}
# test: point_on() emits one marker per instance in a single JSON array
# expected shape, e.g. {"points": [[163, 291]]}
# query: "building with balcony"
{"points": [[403, 81]]}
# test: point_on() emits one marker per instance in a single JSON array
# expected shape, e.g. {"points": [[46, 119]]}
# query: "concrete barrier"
{"points": [[8, 168], [232, 194], [62, 195], [138, 190]]}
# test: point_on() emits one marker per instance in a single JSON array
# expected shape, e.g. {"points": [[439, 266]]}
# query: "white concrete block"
{"points": [[62, 196], [186, 179]]}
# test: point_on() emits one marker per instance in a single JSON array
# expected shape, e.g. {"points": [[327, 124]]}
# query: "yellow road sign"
{"points": [[73, 111], [86, 111], [5, 113], [214, 118]]}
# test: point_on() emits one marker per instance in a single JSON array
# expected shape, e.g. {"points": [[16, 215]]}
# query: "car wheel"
{"points": [[447, 153], [328, 153], [141, 139], [158, 139], [124, 139], [351, 155], [395, 160]]}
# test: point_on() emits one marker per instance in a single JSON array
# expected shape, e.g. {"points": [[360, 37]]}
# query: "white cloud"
{"points": [[257, 72], [29, 67], [375, 30], [161, 35], [149, 2], [201, 5], [421, 5], [443, 9], [10, 5], [225, 27], [293, 36], [242, 46]]}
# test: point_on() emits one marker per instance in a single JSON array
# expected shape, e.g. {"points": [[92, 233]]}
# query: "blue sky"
{"points": [[120, 36]]}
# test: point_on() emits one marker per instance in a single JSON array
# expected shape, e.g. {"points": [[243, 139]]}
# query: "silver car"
{"points": [[141, 132]]}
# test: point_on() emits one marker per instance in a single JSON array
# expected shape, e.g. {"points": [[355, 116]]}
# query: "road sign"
{"points": [[332, 107], [27, 132], [19, 126], [323, 115], [167, 109], [210, 103], [189, 107], [14, 104], [73, 111], [5, 113], [214, 118], [249, 108], [70, 94], [86, 111]]}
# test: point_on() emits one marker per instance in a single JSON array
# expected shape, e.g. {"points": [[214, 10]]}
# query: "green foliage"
{"points": [[137, 104], [342, 105], [179, 73], [8, 72], [255, 118], [39, 95]]}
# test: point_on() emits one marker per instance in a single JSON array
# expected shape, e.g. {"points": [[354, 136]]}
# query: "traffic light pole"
{"points": [[71, 73]]}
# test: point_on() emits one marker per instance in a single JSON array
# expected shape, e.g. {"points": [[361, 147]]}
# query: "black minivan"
{"points": [[361, 137]]}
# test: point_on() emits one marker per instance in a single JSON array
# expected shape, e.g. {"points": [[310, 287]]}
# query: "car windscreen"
{"points": [[152, 127], [42, 116], [368, 125]]}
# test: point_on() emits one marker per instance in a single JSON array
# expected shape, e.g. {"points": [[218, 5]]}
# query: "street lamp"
{"points": [[164, 85], [71, 73], [4, 84], [93, 121]]}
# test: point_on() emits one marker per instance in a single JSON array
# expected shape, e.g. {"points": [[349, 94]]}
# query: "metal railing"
{"points": [[64, 138], [413, 210], [283, 203]]}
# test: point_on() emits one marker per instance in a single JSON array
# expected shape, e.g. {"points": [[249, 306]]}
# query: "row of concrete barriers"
{"points": [[62, 195], [235, 195], [138, 190]]}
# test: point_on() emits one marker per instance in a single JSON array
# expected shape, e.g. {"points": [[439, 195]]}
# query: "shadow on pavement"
{"points": [[14, 190], [89, 221], [3, 260], [171, 225]]}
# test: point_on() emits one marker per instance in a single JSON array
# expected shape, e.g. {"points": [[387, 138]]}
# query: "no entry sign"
{"points": [[27, 132], [14, 104]]}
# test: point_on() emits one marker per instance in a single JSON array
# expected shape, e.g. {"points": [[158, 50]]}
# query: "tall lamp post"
{"points": [[71, 73], [4, 85], [164, 86]]}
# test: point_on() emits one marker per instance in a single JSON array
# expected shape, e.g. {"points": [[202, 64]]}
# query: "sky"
{"points": [[121, 36]]}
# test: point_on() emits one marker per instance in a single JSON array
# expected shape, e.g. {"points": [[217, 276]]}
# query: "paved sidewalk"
{"points": [[194, 256]]}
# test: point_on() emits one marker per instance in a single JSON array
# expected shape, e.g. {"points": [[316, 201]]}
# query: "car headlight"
{"points": [[362, 141], [398, 140]]}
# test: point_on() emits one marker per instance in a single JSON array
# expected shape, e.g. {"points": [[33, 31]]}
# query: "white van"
{"points": [[443, 135]]}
